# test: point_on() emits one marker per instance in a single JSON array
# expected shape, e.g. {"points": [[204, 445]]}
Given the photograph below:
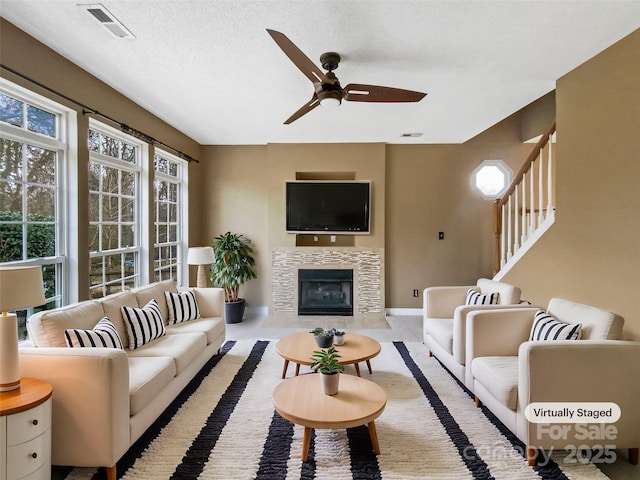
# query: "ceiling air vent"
{"points": [[107, 20], [413, 134]]}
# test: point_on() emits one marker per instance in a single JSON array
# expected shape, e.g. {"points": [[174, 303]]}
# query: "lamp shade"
{"points": [[200, 256], [20, 288]]}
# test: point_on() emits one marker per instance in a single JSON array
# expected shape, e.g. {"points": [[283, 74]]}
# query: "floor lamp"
{"points": [[201, 256], [20, 288]]}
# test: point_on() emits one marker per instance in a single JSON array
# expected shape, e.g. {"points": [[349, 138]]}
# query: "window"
{"points": [[33, 148], [169, 186], [115, 219], [491, 178]]}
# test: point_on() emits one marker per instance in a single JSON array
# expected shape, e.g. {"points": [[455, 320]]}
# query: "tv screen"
{"points": [[328, 206]]}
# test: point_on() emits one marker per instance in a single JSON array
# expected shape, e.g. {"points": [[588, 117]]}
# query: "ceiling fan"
{"points": [[327, 89]]}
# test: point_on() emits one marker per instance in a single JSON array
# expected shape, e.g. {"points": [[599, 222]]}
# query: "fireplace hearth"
{"points": [[325, 292]]}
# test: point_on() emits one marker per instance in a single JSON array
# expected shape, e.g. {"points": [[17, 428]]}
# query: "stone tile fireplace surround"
{"points": [[368, 277]]}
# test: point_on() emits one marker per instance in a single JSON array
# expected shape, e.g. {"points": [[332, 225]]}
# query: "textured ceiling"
{"points": [[210, 69]]}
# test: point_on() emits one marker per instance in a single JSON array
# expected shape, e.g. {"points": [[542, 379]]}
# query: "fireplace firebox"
{"points": [[325, 292]]}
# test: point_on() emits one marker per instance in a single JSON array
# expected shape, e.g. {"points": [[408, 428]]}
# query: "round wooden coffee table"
{"points": [[298, 348], [358, 402]]}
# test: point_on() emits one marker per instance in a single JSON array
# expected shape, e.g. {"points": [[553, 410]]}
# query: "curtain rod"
{"points": [[86, 110]]}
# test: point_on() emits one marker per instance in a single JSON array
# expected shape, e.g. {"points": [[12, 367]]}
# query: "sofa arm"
{"points": [[440, 302], [497, 332], [210, 301], [90, 402], [460, 326], [583, 371]]}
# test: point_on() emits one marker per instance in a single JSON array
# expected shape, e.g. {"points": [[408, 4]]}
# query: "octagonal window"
{"points": [[491, 178]]}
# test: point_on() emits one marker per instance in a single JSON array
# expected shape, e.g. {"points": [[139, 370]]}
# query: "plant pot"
{"points": [[323, 342], [329, 383], [338, 339], [234, 311]]}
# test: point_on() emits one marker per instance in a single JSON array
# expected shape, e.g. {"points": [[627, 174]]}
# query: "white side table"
{"points": [[25, 431]]}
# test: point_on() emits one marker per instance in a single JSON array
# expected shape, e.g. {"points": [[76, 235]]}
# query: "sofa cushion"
{"points": [[547, 327], [181, 306], [46, 328], [104, 335], [155, 291], [112, 305], [143, 324], [499, 375], [477, 298], [441, 330], [211, 327], [597, 323], [148, 376], [183, 348]]}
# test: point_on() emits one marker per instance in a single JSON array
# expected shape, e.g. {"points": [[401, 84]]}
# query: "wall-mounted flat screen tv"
{"points": [[328, 206]]}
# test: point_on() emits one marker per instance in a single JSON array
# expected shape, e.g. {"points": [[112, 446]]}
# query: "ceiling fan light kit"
{"points": [[327, 89]]}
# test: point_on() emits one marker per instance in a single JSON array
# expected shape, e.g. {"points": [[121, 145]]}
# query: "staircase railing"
{"points": [[526, 210]]}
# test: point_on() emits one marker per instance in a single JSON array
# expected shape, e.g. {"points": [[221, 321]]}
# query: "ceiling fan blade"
{"points": [[299, 59], [306, 108], [358, 92]]}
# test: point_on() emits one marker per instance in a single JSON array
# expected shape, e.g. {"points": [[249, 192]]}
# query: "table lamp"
{"points": [[201, 256], [20, 288]]}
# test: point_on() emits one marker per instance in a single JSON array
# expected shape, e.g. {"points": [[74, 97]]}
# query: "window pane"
{"points": [[11, 198], [173, 192], [11, 238], [162, 212], [11, 110], [127, 236], [40, 121], [173, 233], [96, 270], [129, 264], [41, 201], [173, 213], [109, 146], [128, 184], [94, 238], [10, 159], [95, 172], [94, 207], [94, 141], [173, 169], [162, 233], [110, 179], [109, 208], [41, 240], [113, 267], [41, 165], [127, 211], [128, 153], [50, 279], [160, 164], [109, 237]]}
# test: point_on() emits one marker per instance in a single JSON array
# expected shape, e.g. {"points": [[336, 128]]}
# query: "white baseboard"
{"points": [[403, 312]]}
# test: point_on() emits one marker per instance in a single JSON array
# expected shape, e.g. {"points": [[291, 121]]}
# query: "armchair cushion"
{"points": [[547, 327], [499, 375], [476, 298]]}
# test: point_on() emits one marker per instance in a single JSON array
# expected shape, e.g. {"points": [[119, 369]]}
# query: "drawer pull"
{"points": [[34, 455], [35, 421]]}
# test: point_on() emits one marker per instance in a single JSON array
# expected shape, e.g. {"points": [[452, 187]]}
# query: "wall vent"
{"points": [[107, 20]]}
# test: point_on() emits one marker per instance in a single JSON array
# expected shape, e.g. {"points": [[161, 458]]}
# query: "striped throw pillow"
{"points": [[477, 298], [143, 324], [182, 306], [104, 334], [547, 327]]}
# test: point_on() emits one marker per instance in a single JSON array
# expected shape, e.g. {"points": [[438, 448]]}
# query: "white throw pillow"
{"points": [[477, 298], [104, 334], [547, 327], [143, 324], [182, 306]]}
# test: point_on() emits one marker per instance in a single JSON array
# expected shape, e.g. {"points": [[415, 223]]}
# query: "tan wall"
{"points": [[591, 253]]}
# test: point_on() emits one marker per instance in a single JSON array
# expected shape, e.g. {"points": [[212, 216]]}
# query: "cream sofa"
{"points": [[105, 398], [510, 372], [444, 320]]}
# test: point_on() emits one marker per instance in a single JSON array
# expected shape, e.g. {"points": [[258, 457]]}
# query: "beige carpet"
{"points": [[365, 321]]}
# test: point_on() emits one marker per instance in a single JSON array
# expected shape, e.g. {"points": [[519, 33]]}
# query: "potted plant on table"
{"points": [[326, 362], [338, 337], [234, 265], [323, 338]]}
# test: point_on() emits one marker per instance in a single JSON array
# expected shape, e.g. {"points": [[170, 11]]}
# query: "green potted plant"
{"points": [[338, 337], [324, 338], [233, 266], [326, 362]]}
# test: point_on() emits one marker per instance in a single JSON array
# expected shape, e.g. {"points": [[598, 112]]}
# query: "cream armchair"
{"points": [[510, 372], [444, 314]]}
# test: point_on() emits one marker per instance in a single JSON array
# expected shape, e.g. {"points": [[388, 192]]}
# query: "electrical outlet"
{"points": [[440, 235], [415, 292]]}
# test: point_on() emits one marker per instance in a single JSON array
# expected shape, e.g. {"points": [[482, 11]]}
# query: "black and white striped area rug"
{"points": [[223, 426]]}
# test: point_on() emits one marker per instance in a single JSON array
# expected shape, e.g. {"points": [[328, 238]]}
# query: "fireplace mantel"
{"points": [[368, 276]]}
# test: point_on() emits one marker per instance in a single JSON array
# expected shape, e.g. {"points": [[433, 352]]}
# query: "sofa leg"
{"points": [[478, 401], [531, 456], [633, 456], [111, 473], [430, 353]]}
